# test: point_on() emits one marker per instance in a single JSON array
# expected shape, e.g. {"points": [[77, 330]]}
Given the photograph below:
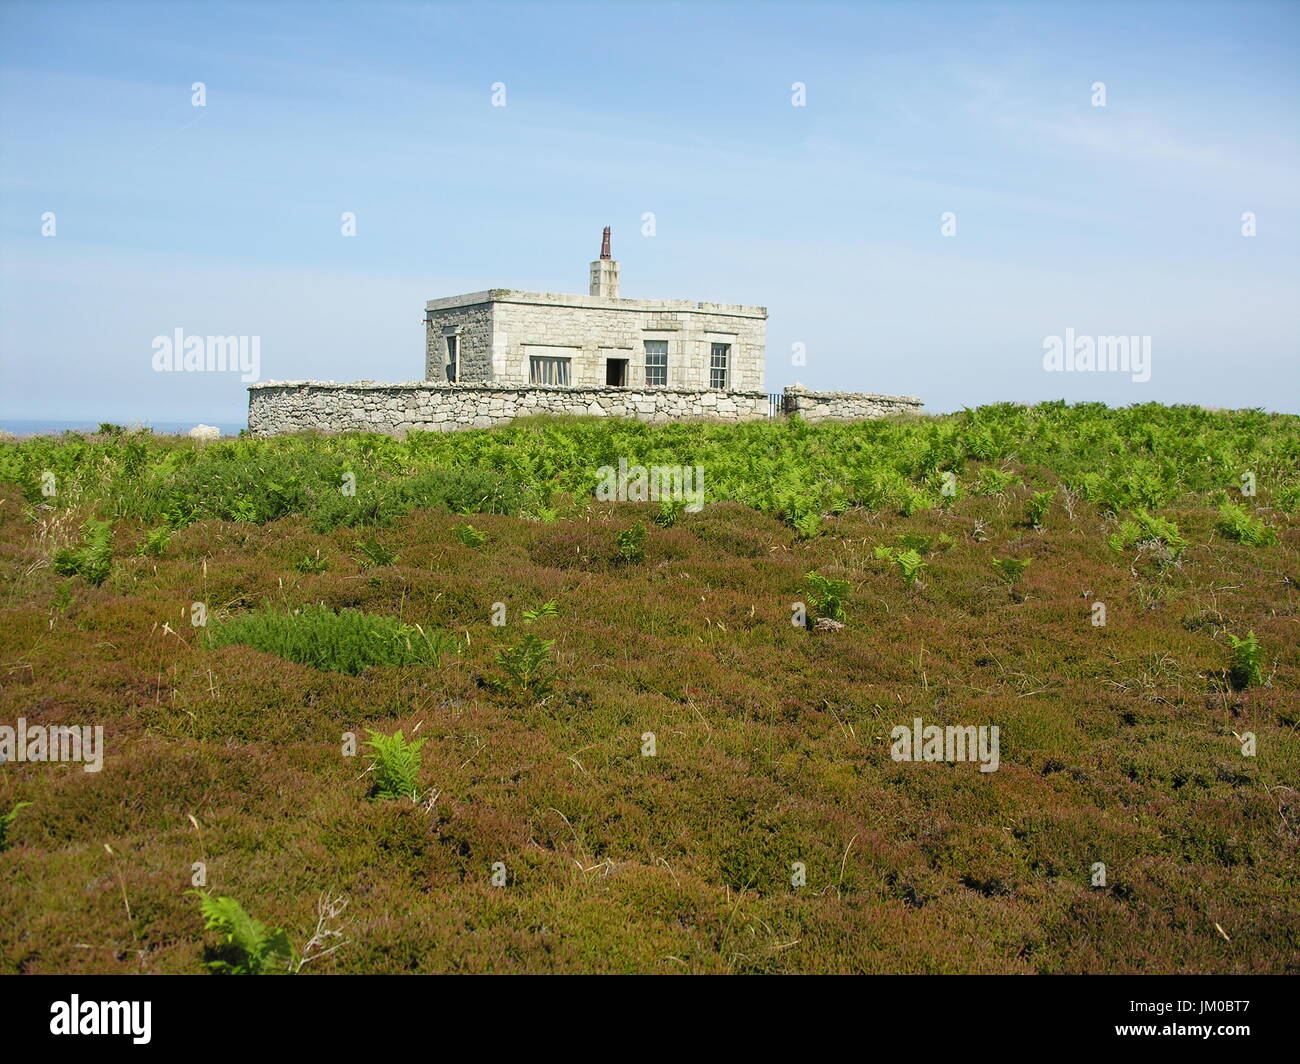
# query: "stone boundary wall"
{"points": [[276, 407], [846, 406], [291, 406]]}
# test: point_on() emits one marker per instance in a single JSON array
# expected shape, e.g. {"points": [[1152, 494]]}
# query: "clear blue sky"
{"points": [[1123, 219]]}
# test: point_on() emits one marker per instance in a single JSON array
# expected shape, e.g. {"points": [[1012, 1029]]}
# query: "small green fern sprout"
{"points": [[1040, 504], [1237, 524], [1247, 660], [62, 600], [669, 512], [527, 665], [1145, 528], [7, 819], [914, 501], [545, 515], [631, 544], [312, 563], [396, 765], [993, 481], [808, 525], [1011, 569], [546, 609], [470, 536], [374, 554], [93, 558], [155, 542], [248, 947], [827, 596], [908, 562]]}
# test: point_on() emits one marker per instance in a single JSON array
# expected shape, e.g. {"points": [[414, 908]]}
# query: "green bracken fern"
{"points": [[155, 542], [1146, 528], [527, 666], [470, 536], [631, 544], [248, 947], [375, 555], [93, 558], [669, 512], [1236, 523], [1011, 569], [396, 765], [827, 596], [5, 820], [907, 561], [1247, 660], [546, 609], [1040, 503]]}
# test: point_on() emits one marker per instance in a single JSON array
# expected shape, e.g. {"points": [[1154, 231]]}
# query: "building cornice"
{"points": [[551, 299]]}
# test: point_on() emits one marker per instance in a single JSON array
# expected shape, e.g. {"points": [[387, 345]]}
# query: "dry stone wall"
{"points": [[846, 406], [276, 407], [291, 406]]}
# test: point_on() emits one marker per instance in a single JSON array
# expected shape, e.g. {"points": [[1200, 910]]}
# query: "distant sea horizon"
{"points": [[55, 427]]}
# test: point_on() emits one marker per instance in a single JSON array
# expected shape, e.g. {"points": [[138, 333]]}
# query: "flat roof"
{"points": [[552, 299]]}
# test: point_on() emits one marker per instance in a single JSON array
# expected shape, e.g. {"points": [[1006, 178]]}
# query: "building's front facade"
{"points": [[598, 340]]}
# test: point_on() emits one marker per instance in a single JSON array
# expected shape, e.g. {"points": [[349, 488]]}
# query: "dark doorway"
{"points": [[616, 372]]}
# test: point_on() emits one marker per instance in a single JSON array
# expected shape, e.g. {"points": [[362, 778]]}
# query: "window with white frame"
{"points": [[719, 356], [453, 358], [656, 363], [543, 369]]}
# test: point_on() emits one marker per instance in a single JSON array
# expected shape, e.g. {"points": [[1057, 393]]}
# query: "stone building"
{"points": [[494, 356], [506, 337]]}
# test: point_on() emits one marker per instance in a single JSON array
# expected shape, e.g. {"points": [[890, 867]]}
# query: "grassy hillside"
{"points": [[1121, 743]]}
